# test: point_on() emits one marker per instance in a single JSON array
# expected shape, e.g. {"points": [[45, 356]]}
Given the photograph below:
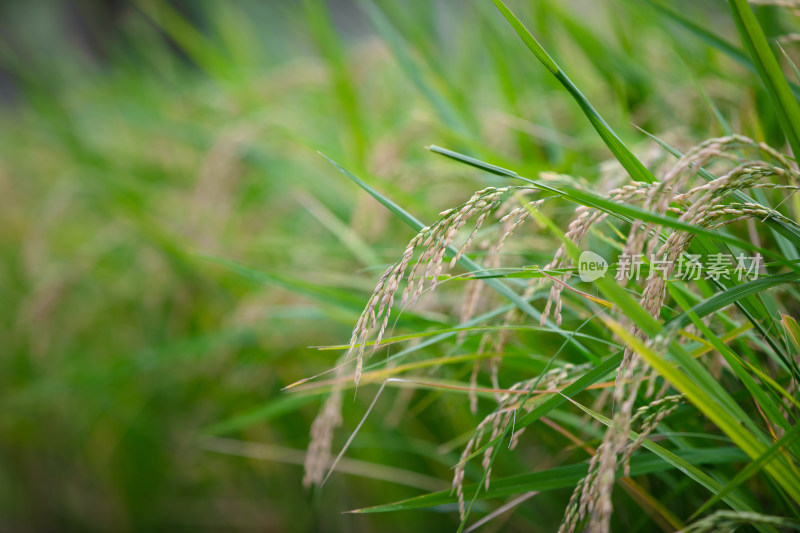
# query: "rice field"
{"points": [[392, 265]]}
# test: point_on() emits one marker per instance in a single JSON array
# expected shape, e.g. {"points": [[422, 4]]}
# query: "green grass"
{"points": [[174, 247]]}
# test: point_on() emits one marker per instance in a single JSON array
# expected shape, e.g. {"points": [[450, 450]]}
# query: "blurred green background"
{"points": [[171, 243]]}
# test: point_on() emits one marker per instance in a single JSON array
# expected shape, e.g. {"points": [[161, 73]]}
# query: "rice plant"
{"points": [[673, 371], [175, 255]]}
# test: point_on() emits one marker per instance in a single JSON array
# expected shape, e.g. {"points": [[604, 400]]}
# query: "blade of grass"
{"points": [[792, 330], [630, 163], [755, 42], [791, 63], [567, 476], [622, 211], [476, 329], [701, 31], [343, 232], [730, 296], [751, 469], [715, 41]]}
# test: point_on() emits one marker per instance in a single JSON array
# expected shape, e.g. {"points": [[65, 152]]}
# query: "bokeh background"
{"points": [[172, 244]]}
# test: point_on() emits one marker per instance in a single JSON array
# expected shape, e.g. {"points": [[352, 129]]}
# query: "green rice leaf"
{"points": [[566, 477], [755, 42], [630, 163], [730, 296]]}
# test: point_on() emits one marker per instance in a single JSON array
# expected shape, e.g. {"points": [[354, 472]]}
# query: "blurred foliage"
{"points": [[172, 243]]}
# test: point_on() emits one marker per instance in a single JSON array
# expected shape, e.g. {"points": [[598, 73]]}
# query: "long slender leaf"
{"points": [[788, 439], [730, 296], [622, 211], [623, 154], [755, 42], [567, 476]]}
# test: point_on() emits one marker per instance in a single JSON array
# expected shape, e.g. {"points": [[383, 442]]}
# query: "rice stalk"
{"points": [[706, 205]]}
